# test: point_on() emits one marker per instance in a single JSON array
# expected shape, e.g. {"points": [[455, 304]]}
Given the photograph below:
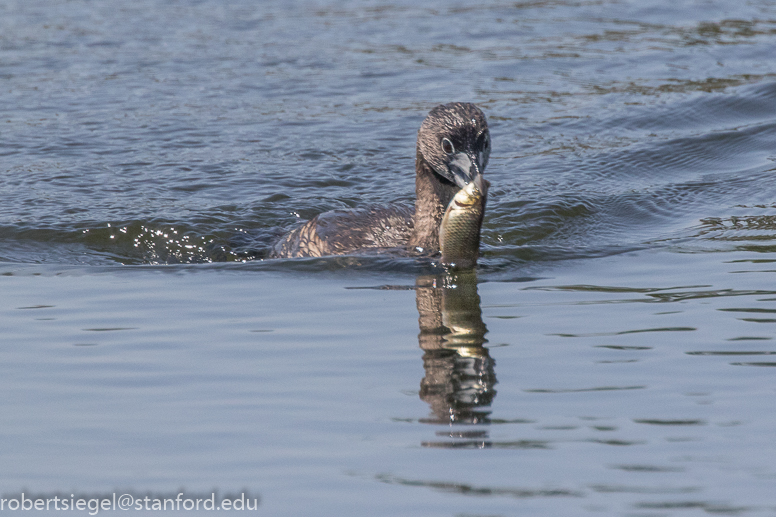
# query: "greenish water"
{"points": [[613, 354]]}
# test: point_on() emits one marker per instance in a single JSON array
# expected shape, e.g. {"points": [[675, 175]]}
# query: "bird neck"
{"points": [[433, 195]]}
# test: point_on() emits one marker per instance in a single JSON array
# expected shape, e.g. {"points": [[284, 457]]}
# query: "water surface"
{"points": [[612, 356]]}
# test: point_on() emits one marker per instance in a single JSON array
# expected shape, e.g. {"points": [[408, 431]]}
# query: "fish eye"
{"points": [[447, 146]]}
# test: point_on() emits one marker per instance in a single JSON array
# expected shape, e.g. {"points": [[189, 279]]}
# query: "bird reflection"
{"points": [[459, 380]]}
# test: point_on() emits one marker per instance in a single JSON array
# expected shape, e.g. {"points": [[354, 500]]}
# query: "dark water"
{"points": [[613, 355]]}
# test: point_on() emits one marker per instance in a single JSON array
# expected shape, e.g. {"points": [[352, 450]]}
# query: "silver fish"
{"points": [[459, 233]]}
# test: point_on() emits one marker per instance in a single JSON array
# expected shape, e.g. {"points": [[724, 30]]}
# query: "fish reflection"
{"points": [[460, 376]]}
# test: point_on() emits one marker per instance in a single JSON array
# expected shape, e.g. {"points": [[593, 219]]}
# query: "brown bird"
{"points": [[452, 151]]}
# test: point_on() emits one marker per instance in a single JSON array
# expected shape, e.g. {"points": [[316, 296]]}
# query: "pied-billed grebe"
{"points": [[452, 151]]}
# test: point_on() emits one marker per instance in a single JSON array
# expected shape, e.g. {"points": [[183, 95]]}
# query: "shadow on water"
{"points": [[460, 377]]}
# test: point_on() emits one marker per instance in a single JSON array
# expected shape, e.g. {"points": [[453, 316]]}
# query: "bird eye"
{"points": [[447, 146], [485, 141]]}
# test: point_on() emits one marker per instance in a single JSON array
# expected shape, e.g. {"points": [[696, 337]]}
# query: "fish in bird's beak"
{"points": [[459, 232]]}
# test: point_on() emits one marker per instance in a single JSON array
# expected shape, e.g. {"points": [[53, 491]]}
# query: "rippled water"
{"points": [[612, 356]]}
